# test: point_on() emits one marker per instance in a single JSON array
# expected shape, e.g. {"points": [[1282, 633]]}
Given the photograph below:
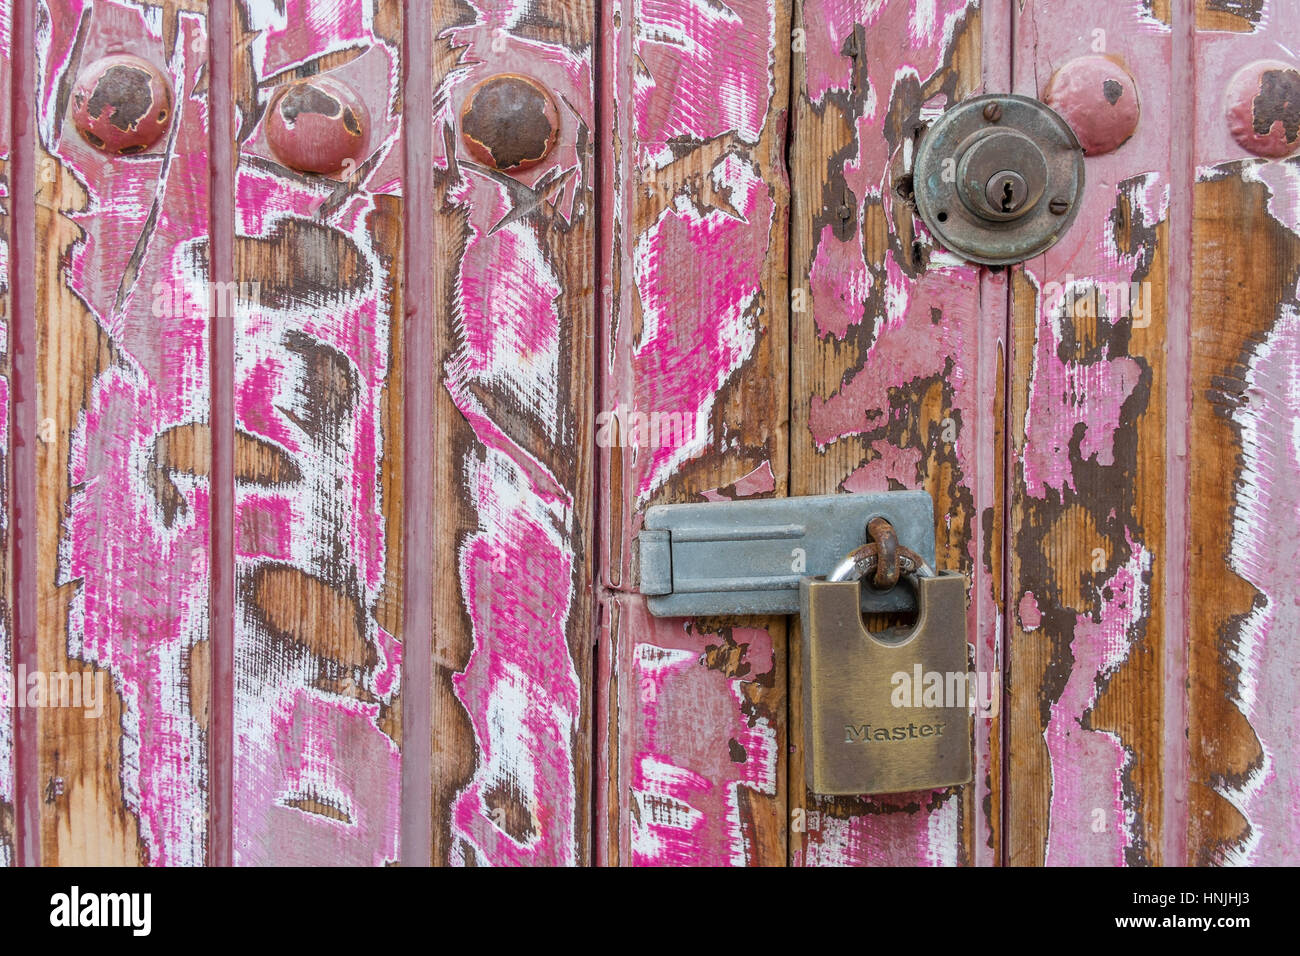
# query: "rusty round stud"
{"points": [[993, 112], [317, 125], [509, 122], [1059, 207], [1098, 98], [121, 104], [1263, 102]]}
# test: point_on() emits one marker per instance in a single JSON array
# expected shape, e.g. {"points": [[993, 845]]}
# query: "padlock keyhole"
{"points": [[1007, 198]]}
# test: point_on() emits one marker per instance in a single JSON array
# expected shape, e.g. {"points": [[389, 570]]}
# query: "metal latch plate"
{"points": [[747, 557]]}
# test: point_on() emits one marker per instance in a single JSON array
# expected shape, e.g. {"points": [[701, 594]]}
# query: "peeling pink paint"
{"points": [[680, 362], [686, 322], [1266, 552], [760, 481], [686, 784], [1091, 823], [840, 283], [921, 329], [1029, 613], [1262, 661], [1064, 396], [706, 71], [329, 797], [1086, 389]]}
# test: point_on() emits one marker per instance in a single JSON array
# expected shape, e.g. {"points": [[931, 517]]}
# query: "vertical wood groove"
{"points": [[222, 431], [422, 522], [23, 431]]}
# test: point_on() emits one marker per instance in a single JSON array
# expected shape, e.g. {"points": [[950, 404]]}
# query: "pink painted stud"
{"points": [[1263, 102], [509, 122], [317, 126], [1098, 98], [121, 104]]}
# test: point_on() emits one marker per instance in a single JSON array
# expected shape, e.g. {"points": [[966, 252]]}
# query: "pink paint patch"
{"points": [[706, 71], [326, 793], [264, 527], [1065, 396], [760, 481], [681, 362], [687, 784], [840, 283], [1031, 616], [1092, 820]]}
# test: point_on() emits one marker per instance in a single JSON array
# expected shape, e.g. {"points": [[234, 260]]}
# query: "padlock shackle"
{"points": [[862, 562]]}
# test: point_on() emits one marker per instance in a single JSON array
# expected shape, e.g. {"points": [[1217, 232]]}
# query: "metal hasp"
{"points": [[748, 557], [866, 729], [998, 178]]}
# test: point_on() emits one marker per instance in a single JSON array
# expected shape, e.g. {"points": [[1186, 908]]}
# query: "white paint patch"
{"points": [[1265, 551], [1282, 180]]}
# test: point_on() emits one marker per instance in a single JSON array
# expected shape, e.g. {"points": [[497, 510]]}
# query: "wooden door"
{"points": [[322, 489]]}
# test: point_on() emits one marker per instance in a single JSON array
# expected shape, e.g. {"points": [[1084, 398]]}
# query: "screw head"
{"points": [[1059, 207], [993, 112], [317, 125], [121, 104], [509, 122]]}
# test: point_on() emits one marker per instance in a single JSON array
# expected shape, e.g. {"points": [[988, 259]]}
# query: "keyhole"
{"points": [[1005, 193]]}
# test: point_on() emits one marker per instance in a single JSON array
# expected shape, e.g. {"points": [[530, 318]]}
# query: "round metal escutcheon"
{"points": [[998, 186], [317, 126], [121, 104]]}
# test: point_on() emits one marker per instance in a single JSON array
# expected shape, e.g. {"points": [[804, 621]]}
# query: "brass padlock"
{"points": [[887, 712]]}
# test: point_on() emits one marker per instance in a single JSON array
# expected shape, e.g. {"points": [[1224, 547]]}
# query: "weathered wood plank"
{"points": [[896, 375], [8, 691], [513, 266], [122, 525], [318, 447], [693, 407], [1244, 588], [1094, 742]]}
